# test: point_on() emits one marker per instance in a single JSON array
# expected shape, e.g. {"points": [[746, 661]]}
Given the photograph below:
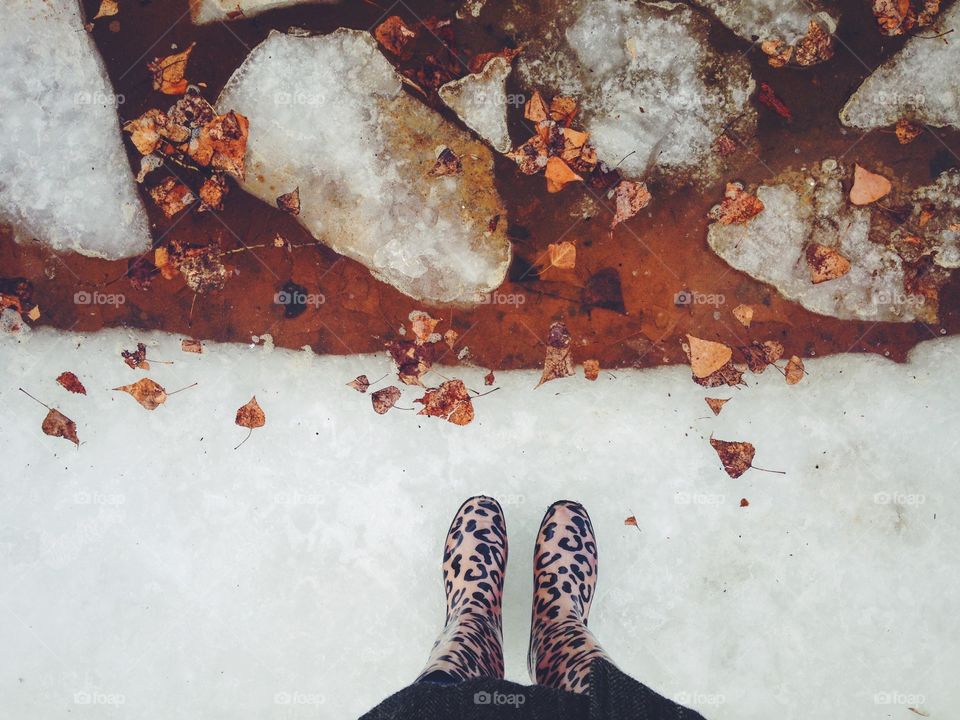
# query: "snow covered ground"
{"points": [[157, 572]]}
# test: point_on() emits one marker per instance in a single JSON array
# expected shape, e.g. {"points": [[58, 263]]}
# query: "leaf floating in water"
{"points": [[868, 187], [168, 72], [706, 356]]}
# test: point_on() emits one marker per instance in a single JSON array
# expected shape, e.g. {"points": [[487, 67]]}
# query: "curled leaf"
{"points": [[558, 362]]}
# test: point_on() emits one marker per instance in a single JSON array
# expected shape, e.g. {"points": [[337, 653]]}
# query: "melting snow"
{"points": [[204, 11], [327, 115], [480, 100], [64, 176]]}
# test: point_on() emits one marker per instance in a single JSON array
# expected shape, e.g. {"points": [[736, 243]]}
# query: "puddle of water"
{"points": [[655, 256]]}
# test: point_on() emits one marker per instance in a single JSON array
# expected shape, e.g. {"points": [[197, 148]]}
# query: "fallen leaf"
{"points": [[706, 356], [71, 382], [394, 35], [108, 8], [423, 326], [737, 206], [735, 456], [629, 198], [907, 131], [413, 359], [146, 392], [536, 109], [489, 378], [251, 415], [34, 313], [479, 61], [591, 369], [171, 196], [558, 362], [191, 346], [760, 355], [56, 424], [743, 314], [632, 520], [563, 255], [447, 164], [212, 192], [168, 72], [136, 358], [203, 270], [779, 52], [385, 399], [730, 374], [450, 338], [814, 47], [744, 502], [826, 263], [769, 98], [794, 371], [222, 144], [562, 109], [725, 145], [360, 383], [716, 404], [450, 401], [559, 174], [290, 202], [868, 187]]}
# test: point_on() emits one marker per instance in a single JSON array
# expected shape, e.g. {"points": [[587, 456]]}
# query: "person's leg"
{"points": [[474, 562], [564, 577]]}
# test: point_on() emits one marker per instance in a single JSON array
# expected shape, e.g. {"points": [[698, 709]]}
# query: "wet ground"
{"points": [[621, 302]]}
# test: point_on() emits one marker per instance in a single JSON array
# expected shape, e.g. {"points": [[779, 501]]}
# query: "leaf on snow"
{"points": [[591, 369], [146, 392], [794, 372], [56, 424], [71, 382], [290, 202], [558, 362], [706, 356], [716, 404], [360, 383], [136, 358], [251, 415], [738, 206], [826, 263], [448, 163], [385, 399], [450, 401], [735, 456]]}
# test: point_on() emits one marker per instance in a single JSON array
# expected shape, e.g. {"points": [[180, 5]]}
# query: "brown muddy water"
{"points": [[656, 255]]}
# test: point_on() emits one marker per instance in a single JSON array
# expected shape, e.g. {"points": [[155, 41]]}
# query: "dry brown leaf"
{"points": [[479, 61], [706, 356], [56, 424], [744, 502], [632, 520], [907, 131], [563, 255], [71, 382], [385, 399], [360, 383], [591, 369], [108, 8], [794, 372], [730, 374], [448, 163], [423, 326], [559, 359], [743, 314], [630, 198], [251, 415], [737, 206], [212, 192], [559, 174], [489, 378], [290, 202], [394, 35], [203, 270], [222, 144], [450, 338], [136, 358], [536, 109], [191, 346], [868, 187], [450, 401], [146, 392], [826, 263], [716, 404], [562, 109], [735, 456], [171, 196], [760, 355], [168, 72], [814, 47]]}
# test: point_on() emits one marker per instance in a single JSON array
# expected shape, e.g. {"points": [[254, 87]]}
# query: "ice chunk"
{"points": [[783, 21], [941, 229], [327, 115], [653, 93], [64, 176], [480, 100], [921, 82], [808, 210], [204, 11]]}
